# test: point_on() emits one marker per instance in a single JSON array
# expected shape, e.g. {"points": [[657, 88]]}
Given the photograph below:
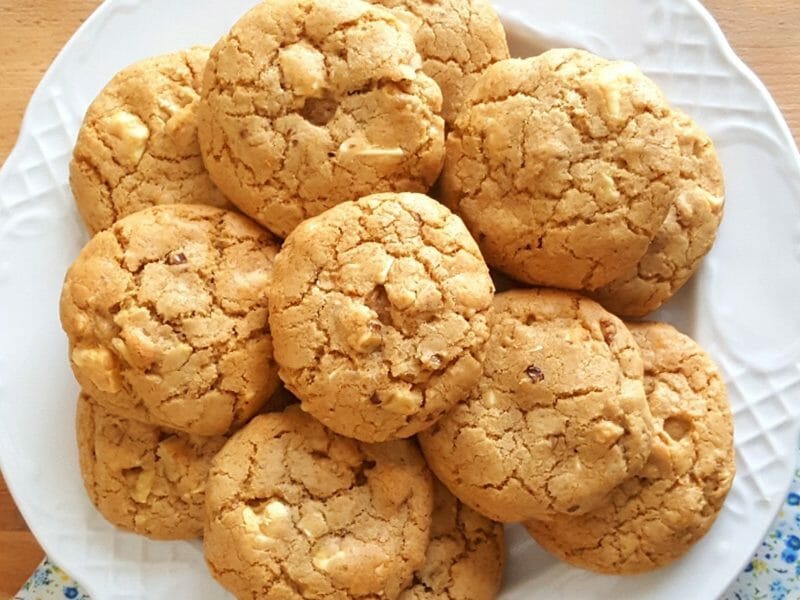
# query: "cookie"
{"points": [[166, 314], [559, 418], [563, 166], [308, 103], [294, 510], [465, 557], [138, 144], [685, 237], [379, 315], [143, 478], [458, 40], [657, 516]]}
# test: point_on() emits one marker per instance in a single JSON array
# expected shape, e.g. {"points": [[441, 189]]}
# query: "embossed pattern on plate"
{"points": [[742, 306]]}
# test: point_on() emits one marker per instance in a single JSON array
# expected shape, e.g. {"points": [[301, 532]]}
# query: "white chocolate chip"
{"points": [[403, 402], [359, 145], [273, 522], [399, 296], [100, 366], [379, 151], [716, 202], [144, 483], [122, 349], [408, 72], [168, 106], [313, 525], [328, 554], [630, 389], [303, 69], [689, 198], [170, 451], [132, 135], [607, 191], [607, 433], [612, 81], [383, 276], [251, 520], [367, 341]]}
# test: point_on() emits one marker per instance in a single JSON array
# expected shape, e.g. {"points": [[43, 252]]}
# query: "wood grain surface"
{"points": [[763, 32]]}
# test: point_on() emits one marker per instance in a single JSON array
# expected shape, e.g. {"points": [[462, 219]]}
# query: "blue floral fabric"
{"points": [[772, 574], [49, 582]]}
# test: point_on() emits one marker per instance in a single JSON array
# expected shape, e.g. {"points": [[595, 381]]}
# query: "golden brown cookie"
{"points": [[465, 557], [458, 40], [563, 167], [166, 314], [142, 478], [685, 237], [138, 144], [656, 517], [379, 313], [294, 510], [308, 103], [559, 418]]}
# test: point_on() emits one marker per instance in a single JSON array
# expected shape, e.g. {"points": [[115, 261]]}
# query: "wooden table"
{"points": [[764, 33]]}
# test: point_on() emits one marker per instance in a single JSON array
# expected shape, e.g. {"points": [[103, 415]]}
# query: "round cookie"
{"points": [[563, 166], [295, 510], [138, 144], [379, 312], [685, 237], [559, 418], [166, 313], [465, 557], [142, 478], [657, 516], [308, 103], [458, 40]]}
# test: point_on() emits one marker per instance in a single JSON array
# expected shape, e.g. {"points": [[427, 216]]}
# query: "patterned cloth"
{"points": [[49, 582], [773, 574]]}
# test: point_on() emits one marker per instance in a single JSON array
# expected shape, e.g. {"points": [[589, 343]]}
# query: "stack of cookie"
{"points": [[194, 329]]}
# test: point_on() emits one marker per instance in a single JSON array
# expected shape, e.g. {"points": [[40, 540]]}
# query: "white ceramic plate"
{"points": [[743, 306]]}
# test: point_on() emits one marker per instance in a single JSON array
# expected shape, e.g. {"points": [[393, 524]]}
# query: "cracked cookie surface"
{"points": [[559, 418], [297, 511], [308, 103], [379, 312], [465, 556], [138, 145], [166, 314], [142, 478], [656, 517], [685, 237], [458, 40], [563, 167]]}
